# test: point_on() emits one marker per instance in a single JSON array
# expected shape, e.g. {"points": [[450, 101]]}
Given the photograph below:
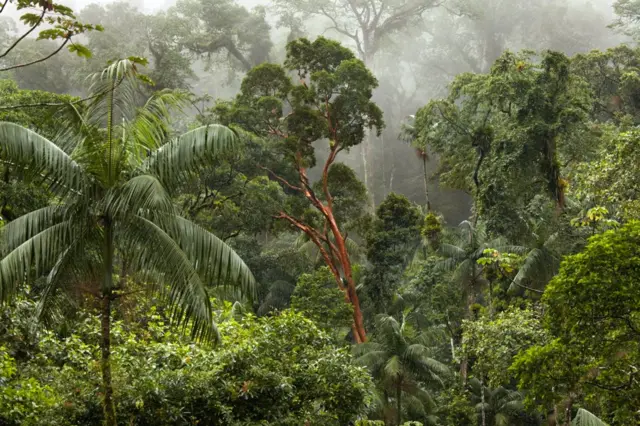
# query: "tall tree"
{"points": [[390, 247], [157, 37], [114, 175], [592, 314], [224, 26], [367, 24], [509, 135], [333, 103]]}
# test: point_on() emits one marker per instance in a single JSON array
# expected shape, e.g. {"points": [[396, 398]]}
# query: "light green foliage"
{"points": [[592, 312], [611, 180], [455, 407], [23, 401], [318, 298], [493, 344], [114, 173]]}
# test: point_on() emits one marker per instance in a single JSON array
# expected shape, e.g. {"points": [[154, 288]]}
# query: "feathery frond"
{"points": [[27, 150], [179, 158]]}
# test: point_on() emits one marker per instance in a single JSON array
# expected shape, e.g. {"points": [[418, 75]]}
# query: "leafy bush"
{"points": [[279, 370]]}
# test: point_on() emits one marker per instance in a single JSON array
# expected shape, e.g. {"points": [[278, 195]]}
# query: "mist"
{"points": [[414, 62]]}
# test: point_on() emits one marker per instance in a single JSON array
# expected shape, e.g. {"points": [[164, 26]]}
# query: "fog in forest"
{"points": [[319, 212], [415, 57]]}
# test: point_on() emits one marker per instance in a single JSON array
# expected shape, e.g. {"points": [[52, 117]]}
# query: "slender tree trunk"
{"points": [[105, 343], [568, 411], [426, 181], [105, 347], [399, 403], [484, 413]]}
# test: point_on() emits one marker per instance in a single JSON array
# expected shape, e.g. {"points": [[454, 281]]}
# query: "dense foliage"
{"points": [[406, 213]]}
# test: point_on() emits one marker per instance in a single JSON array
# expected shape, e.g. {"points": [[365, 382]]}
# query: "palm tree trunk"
{"points": [[484, 413], [105, 347], [399, 403], [105, 342]]}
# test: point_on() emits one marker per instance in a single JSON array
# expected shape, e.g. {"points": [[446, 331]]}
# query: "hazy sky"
{"points": [[147, 5]]}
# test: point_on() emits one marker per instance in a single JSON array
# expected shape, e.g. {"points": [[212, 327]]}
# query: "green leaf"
{"points": [[80, 50]]}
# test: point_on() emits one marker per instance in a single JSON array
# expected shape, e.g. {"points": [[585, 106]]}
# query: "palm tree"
{"points": [[400, 358], [541, 263], [460, 257], [113, 175], [496, 407]]}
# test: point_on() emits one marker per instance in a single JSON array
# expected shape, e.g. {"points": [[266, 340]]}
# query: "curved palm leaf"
{"points": [[36, 255], [161, 260], [28, 150], [211, 257], [141, 193], [585, 418], [25, 227], [179, 158]]}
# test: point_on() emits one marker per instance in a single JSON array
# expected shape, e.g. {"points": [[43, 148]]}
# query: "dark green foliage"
{"points": [[338, 90], [391, 243], [402, 358], [503, 136]]}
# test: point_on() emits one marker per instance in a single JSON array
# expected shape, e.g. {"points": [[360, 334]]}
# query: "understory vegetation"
{"points": [[407, 213]]}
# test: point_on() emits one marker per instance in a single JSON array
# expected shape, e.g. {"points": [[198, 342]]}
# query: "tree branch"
{"points": [[57, 104], [55, 52], [25, 35], [281, 179]]}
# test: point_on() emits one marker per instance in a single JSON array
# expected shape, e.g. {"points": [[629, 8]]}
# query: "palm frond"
{"points": [[214, 260], [141, 193], [28, 150], [393, 367], [451, 251], [585, 418], [116, 91], [176, 160], [25, 227], [36, 255], [161, 260], [539, 267], [150, 126], [74, 265]]}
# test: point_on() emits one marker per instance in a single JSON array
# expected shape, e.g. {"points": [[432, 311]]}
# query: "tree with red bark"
{"points": [[331, 102]]}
